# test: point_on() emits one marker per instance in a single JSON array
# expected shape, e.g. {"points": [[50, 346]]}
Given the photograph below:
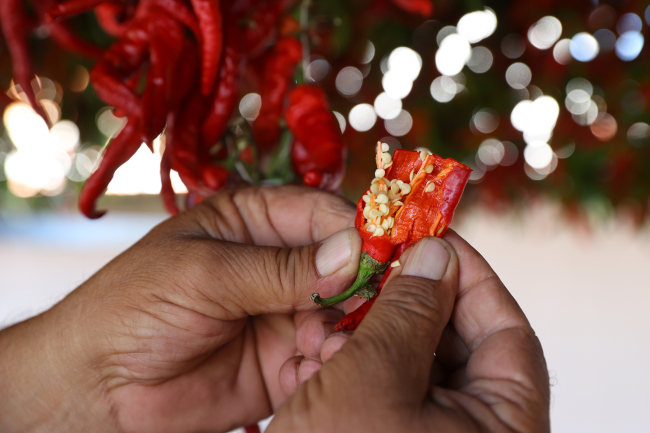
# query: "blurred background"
{"points": [[548, 102]]}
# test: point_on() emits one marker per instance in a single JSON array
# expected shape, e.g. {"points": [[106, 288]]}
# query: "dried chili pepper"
{"points": [[278, 71], [71, 8], [120, 150], [210, 25], [166, 42], [413, 195], [318, 153], [114, 18], [422, 7], [166, 190], [225, 98], [181, 13], [12, 21], [262, 26]]}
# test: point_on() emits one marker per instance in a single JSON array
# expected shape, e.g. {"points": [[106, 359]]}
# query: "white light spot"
{"points": [[362, 117], [583, 47], [65, 135], [341, 119], [518, 75], [349, 81], [400, 125], [26, 129], [629, 22], [538, 154], [480, 60], [444, 32], [566, 151], [536, 119], [478, 25], [588, 116], [629, 45], [639, 134], [107, 123], [510, 153], [317, 70], [545, 32], [250, 105], [561, 52], [443, 89], [387, 107], [491, 152], [606, 40], [368, 53], [580, 84], [485, 120], [405, 62], [452, 55], [513, 46], [395, 85], [577, 101]]}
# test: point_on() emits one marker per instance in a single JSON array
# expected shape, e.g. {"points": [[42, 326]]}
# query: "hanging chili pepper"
{"points": [[278, 71], [413, 195], [12, 21], [114, 18], [166, 42], [181, 13], [318, 153], [225, 98], [71, 8], [262, 26], [120, 150], [210, 25], [253, 428], [166, 190], [422, 7]]}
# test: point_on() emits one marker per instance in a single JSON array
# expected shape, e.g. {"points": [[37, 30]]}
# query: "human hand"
{"points": [[488, 372], [161, 339]]}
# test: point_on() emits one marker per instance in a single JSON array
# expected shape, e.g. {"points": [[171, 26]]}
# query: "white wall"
{"points": [[586, 295]]}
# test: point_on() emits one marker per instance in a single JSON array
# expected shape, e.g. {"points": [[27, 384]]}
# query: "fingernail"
{"points": [[334, 253], [429, 259]]}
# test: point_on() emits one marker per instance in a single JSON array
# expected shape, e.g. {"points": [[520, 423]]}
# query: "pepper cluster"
{"points": [[177, 66], [413, 195]]}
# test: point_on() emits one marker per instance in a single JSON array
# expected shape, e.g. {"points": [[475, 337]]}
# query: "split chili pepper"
{"points": [[166, 42], [210, 25], [225, 98], [318, 152], [278, 71], [413, 195], [12, 21], [120, 150], [422, 7], [71, 8]]}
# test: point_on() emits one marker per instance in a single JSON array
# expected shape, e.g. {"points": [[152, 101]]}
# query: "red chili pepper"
{"points": [[278, 71], [422, 7], [166, 42], [225, 98], [71, 8], [181, 13], [210, 25], [262, 26], [120, 150], [12, 21], [166, 190], [253, 428], [412, 196], [114, 18], [318, 152]]}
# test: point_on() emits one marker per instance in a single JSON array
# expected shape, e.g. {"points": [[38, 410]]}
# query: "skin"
{"points": [[203, 325]]}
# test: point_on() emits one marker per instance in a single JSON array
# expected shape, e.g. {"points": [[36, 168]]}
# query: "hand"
{"points": [[487, 374], [161, 339]]}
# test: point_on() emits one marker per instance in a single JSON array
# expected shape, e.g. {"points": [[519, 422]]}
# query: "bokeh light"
{"points": [[538, 154], [518, 75], [629, 45], [368, 53], [387, 107], [107, 123], [583, 47], [562, 52], [452, 55], [317, 69], [400, 125], [480, 60], [362, 117], [513, 46], [444, 32], [490, 153], [510, 154], [443, 89], [606, 40], [250, 105], [341, 120], [605, 127], [629, 22], [545, 32], [348, 81], [485, 120], [478, 25], [639, 134], [405, 62]]}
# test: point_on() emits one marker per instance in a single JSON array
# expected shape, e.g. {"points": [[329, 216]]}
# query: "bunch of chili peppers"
{"points": [[413, 195], [176, 67]]}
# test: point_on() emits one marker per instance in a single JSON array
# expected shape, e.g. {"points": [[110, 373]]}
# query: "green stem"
{"points": [[368, 267]]}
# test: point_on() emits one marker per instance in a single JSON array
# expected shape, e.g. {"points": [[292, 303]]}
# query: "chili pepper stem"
{"points": [[368, 267]]}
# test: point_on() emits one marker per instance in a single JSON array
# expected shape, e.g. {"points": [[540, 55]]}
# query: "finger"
{"points": [[230, 281], [285, 216], [314, 329], [288, 375], [308, 367], [332, 345], [395, 343], [451, 352]]}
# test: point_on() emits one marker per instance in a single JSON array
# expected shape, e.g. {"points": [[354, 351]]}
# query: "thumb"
{"points": [[396, 341], [252, 280]]}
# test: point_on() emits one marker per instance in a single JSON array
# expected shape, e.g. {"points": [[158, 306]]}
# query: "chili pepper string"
{"points": [[209, 16]]}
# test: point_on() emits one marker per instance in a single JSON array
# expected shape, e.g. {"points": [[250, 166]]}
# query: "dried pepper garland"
{"points": [[413, 195], [176, 67]]}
